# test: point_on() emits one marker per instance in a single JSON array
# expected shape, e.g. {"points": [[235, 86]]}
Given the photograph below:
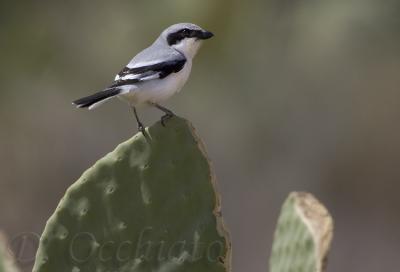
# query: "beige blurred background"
{"points": [[289, 95]]}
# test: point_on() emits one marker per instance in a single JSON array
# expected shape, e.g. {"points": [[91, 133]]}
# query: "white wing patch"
{"points": [[127, 76], [141, 77]]}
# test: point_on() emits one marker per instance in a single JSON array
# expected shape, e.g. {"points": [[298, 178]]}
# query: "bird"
{"points": [[154, 74]]}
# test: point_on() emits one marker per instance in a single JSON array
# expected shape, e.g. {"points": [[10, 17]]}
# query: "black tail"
{"points": [[97, 98]]}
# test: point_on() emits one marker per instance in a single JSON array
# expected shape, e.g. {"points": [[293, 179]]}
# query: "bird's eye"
{"points": [[185, 32]]}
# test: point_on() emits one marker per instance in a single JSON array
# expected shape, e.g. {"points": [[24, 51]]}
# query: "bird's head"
{"points": [[186, 38]]}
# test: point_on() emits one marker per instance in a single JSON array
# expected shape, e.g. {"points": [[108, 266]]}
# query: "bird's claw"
{"points": [[141, 128], [166, 117]]}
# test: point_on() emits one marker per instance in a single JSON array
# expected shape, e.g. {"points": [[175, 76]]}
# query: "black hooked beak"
{"points": [[205, 35]]}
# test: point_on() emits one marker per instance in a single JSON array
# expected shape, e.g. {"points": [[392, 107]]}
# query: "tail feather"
{"points": [[96, 99]]}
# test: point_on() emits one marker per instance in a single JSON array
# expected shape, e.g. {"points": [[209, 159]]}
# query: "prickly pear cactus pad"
{"points": [[7, 261], [150, 205], [302, 236], [2, 252]]}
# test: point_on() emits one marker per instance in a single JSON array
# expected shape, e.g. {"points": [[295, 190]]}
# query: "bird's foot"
{"points": [[166, 117], [141, 128]]}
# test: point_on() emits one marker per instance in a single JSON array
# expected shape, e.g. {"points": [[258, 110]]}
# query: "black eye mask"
{"points": [[178, 36]]}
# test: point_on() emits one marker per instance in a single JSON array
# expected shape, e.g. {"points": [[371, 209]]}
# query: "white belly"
{"points": [[157, 90]]}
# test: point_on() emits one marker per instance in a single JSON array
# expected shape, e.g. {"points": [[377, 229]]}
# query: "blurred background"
{"points": [[289, 95]]}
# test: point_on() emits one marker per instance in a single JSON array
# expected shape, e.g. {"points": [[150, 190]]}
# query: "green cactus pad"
{"points": [[150, 205], [302, 237], [2, 268], [7, 262]]}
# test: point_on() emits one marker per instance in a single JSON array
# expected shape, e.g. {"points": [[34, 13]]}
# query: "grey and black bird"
{"points": [[156, 73]]}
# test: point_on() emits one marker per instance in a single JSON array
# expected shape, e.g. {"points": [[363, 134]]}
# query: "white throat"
{"points": [[188, 47]]}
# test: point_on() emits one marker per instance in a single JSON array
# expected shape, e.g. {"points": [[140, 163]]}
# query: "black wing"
{"points": [[160, 70]]}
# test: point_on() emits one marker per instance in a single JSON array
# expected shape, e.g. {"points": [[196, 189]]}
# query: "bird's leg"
{"points": [[140, 124], [168, 114]]}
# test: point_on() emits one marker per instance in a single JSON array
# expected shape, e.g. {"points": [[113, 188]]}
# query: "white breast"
{"points": [[158, 90]]}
